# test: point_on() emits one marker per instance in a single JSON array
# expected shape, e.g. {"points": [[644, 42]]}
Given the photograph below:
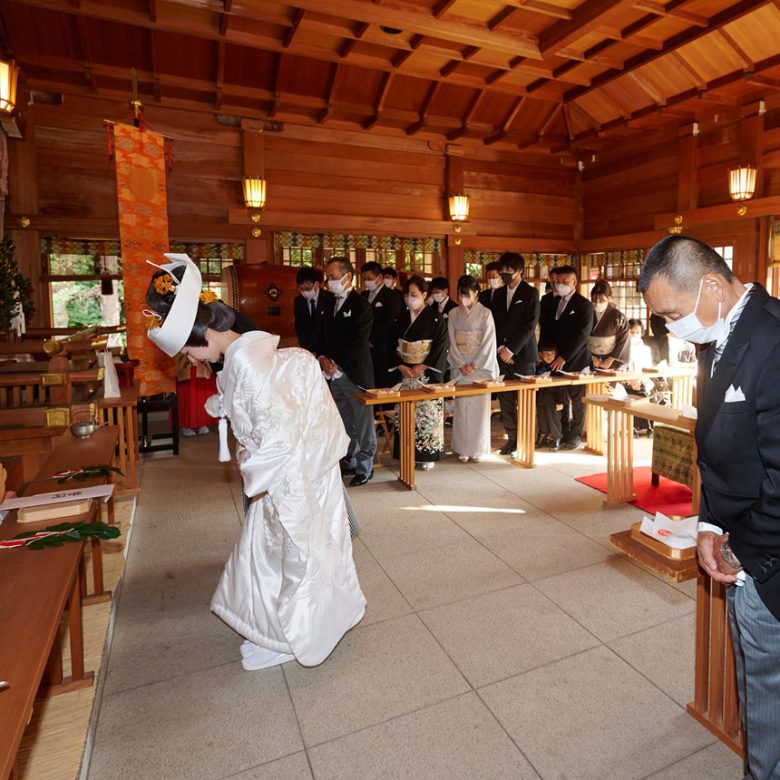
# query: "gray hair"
{"points": [[682, 261]]}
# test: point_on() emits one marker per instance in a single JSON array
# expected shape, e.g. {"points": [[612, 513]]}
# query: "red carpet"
{"points": [[669, 497]]}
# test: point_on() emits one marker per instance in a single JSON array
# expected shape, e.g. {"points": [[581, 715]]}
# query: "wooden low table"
{"points": [[36, 588]]}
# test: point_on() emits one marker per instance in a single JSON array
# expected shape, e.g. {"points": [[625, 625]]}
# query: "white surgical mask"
{"points": [[413, 303], [308, 294], [465, 300], [336, 286], [600, 308], [494, 284], [635, 339], [388, 283], [369, 285], [562, 289], [690, 328], [438, 297]]}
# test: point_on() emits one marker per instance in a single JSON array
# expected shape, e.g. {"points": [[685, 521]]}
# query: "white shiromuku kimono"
{"points": [[290, 584], [472, 340]]}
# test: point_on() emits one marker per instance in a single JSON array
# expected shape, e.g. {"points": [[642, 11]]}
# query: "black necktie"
{"points": [[311, 307]]}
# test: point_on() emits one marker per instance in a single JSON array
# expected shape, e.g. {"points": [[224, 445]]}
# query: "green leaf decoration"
{"points": [[69, 532], [83, 474]]}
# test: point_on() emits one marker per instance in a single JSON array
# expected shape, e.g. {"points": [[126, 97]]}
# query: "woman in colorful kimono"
{"points": [[609, 339], [420, 346], [472, 356]]}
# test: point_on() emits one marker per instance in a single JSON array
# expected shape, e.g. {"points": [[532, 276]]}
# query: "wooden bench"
{"points": [[37, 587]]}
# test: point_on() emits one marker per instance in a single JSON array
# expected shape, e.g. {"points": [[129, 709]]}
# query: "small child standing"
{"points": [[194, 384], [549, 403]]}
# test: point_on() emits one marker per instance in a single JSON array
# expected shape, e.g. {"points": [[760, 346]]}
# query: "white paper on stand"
{"points": [[677, 534], [60, 497], [619, 393]]}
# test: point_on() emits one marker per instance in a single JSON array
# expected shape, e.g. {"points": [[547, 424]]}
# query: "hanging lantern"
{"points": [[254, 193], [742, 182], [459, 207], [9, 73]]}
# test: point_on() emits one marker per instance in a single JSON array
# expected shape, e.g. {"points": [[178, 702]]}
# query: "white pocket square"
{"points": [[347, 313], [733, 395], [378, 305]]}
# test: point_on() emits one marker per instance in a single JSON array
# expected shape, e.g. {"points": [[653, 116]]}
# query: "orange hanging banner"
{"points": [[143, 231]]}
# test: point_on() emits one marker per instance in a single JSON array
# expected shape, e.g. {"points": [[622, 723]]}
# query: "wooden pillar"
{"points": [[23, 202], [687, 176], [454, 186]]}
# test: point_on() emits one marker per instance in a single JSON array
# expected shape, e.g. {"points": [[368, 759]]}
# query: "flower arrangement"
{"points": [[164, 284]]}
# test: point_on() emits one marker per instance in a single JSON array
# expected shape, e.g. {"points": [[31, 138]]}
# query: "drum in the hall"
{"points": [[263, 292]]}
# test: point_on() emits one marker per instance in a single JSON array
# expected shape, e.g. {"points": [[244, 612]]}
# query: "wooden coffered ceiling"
{"points": [[551, 74]]}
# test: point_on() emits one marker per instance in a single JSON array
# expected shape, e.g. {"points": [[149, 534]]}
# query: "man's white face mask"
{"points": [[562, 290], [494, 283], [388, 283], [308, 294], [336, 286], [438, 297], [690, 328], [370, 285]]}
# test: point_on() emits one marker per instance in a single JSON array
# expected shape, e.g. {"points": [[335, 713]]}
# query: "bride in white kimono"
{"points": [[290, 585], [472, 356]]}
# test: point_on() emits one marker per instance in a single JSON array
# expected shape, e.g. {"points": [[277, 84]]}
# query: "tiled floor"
{"points": [[502, 639]]}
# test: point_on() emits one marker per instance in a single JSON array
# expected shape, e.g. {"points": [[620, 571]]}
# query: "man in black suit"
{"points": [[385, 307], [390, 280], [494, 283], [568, 323], [309, 307], [345, 359], [515, 312], [440, 296], [738, 439]]}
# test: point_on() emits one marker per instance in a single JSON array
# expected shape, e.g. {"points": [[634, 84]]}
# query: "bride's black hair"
{"points": [[215, 315]]}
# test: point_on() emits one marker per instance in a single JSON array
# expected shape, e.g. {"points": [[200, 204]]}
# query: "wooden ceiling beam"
{"points": [[503, 16], [747, 62], [507, 123], [349, 44], [730, 14], [423, 116], [380, 102], [296, 23], [151, 10], [442, 7], [400, 58], [691, 94], [663, 10], [551, 117], [414, 19], [219, 76], [467, 119], [335, 70], [763, 81], [545, 9], [698, 79], [587, 16], [277, 94]]}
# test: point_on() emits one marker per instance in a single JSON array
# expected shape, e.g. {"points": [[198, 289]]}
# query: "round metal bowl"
{"points": [[83, 430]]}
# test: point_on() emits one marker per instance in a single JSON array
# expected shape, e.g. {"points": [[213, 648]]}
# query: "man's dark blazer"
{"points": [[487, 296], [739, 442], [308, 328], [345, 338], [516, 326], [448, 307], [570, 332], [385, 307]]}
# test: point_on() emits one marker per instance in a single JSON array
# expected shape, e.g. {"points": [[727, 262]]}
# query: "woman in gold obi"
{"points": [[609, 339], [472, 356], [419, 357]]}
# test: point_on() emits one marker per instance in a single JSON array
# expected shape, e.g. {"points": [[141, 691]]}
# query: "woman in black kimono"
{"points": [[419, 348], [609, 339]]}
